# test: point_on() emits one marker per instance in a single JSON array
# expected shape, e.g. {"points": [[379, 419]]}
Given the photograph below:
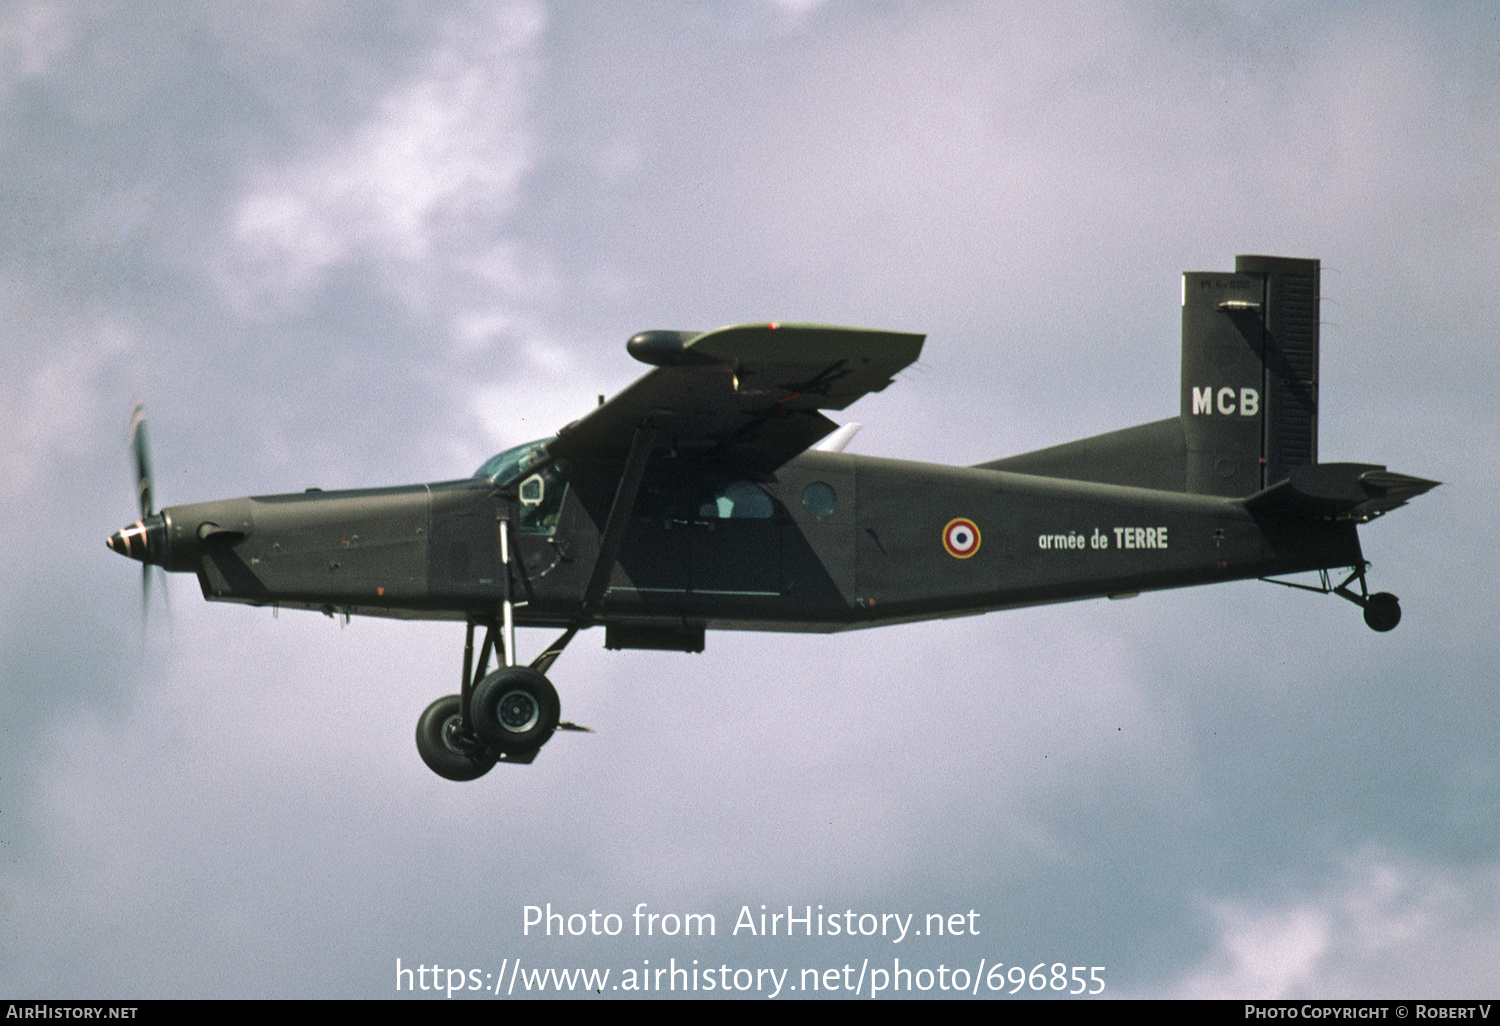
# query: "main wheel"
{"points": [[515, 710], [1382, 611], [445, 751]]}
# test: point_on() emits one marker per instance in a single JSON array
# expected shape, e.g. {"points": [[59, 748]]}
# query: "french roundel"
{"points": [[961, 538]]}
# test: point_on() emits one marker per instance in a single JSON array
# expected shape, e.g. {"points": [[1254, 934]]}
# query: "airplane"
{"points": [[712, 494]]}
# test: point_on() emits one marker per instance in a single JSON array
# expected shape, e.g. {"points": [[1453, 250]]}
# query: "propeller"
{"points": [[140, 454], [136, 541]]}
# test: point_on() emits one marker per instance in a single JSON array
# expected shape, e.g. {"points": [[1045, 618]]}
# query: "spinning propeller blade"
{"points": [[129, 539], [140, 453]]}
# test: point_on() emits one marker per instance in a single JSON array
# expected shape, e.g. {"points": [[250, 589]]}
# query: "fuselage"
{"points": [[829, 541]]}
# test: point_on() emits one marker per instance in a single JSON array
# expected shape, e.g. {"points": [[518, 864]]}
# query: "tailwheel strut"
{"points": [[1382, 609]]}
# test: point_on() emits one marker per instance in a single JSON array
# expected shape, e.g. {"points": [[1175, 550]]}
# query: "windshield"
{"points": [[509, 464]]}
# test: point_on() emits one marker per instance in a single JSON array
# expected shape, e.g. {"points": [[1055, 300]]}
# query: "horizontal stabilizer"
{"points": [[1337, 491]]}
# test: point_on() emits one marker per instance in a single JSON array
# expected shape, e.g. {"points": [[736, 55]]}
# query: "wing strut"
{"points": [[619, 515]]}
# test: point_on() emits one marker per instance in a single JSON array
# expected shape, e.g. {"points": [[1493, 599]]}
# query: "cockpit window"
{"points": [[512, 463]]}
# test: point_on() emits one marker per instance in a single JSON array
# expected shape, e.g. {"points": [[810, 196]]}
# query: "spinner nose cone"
{"points": [[144, 540], [129, 541]]}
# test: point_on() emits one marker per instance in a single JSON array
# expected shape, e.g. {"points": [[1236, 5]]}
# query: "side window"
{"points": [[819, 499], [738, 500], [541, 497]]}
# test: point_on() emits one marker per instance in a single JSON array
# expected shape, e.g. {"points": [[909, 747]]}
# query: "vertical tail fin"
{"points": [[1249, 373]]}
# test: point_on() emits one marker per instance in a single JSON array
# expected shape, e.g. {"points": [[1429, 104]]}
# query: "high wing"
{"points": [[747, 394]]}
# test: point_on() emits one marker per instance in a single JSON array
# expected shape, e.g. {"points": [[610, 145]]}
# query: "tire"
{"points": [[1382, 612], [515, 710], [442, 750]]}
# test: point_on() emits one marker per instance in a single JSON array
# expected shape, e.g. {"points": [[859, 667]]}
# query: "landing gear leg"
{"points": [[511, 713], [1382, 610], [506, 715]]}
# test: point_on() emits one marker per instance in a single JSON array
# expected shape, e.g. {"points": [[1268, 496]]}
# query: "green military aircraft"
{"points": [[699, 498]]}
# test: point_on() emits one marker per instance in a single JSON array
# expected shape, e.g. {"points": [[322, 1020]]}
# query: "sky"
{"points": [[345, 245]]}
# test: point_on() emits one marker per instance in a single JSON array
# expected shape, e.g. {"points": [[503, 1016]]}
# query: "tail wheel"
{"points": [[445, 748], [515, 710], [1382, 611]]}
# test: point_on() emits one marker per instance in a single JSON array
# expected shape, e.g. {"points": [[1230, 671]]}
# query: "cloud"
{"points": [[32, 35], [796, 10], [1383, 925], [53, 391], [420, 188]]}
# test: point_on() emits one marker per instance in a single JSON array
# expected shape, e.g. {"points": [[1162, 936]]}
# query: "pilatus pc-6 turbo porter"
{"points": [[699, 498]]}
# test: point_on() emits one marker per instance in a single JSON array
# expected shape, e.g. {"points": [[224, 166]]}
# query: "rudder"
{"points": [[1249, 373]]}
